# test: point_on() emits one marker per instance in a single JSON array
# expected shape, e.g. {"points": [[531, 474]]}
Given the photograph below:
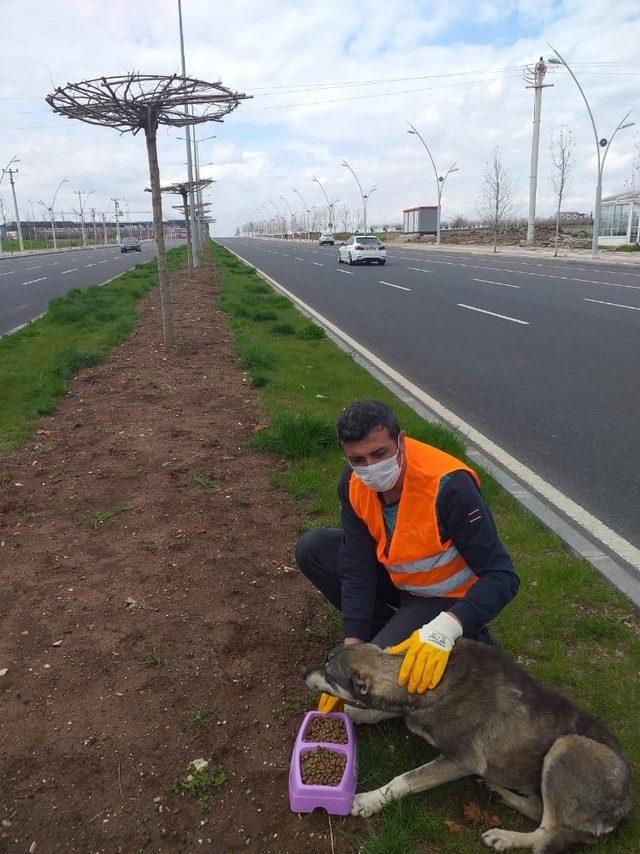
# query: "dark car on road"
{"points": [[130, 244]]}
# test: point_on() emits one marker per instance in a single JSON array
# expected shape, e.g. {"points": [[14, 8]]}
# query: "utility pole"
{"points": [[11, 173], [79, 194], [117, 210], [104, 227], [93, 219], [187, 130], [534, 79]]}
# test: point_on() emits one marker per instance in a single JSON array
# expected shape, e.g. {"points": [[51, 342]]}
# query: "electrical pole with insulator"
{"points": [[534, 79]]}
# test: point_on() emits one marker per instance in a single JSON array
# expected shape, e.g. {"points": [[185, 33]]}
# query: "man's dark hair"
{"points": [[358, 419]]}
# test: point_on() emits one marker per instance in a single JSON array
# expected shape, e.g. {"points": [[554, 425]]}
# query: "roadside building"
{"points": [[571, 216], [620, 219], [420, 220]]}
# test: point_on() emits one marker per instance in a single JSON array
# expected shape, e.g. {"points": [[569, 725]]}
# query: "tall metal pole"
{"points": [[192, 207], [329, 204], [600, 143], [84, 236], [15, 206], [440, 180], [104, 227], [306, 209], [289, 209], [365, 196]]}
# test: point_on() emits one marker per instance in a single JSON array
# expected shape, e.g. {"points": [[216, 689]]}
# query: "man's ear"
{"points": [[361, 683]]}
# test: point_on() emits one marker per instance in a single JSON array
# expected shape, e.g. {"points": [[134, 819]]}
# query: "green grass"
{"points": [[629, 247], [567, 626], [200, 718], [205, 481], [99, 518], [155, 656], [77, 332]]}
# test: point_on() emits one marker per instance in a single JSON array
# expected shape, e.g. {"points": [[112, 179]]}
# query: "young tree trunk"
{"points": [[555, 254], [163, 275], [187, 219]]}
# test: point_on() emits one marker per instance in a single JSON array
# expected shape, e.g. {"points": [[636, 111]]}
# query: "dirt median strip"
{"points": [[150, 613]]}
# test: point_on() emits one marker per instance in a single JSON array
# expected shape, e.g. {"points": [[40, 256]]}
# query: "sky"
{"points": [[330, 81]]}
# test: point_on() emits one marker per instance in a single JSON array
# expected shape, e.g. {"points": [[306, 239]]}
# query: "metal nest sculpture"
{"points": [[133, 102]]}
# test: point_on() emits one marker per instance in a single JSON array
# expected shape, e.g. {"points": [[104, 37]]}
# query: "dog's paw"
{"points": [[368, 803], [501, 840]]}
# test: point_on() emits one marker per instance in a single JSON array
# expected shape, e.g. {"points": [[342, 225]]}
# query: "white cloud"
{"points": [[255, 46]]}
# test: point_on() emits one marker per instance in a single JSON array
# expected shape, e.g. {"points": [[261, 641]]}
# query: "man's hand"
{"points": [[329, 703], [427, 652]]}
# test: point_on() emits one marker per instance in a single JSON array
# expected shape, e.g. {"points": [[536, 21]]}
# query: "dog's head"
{"points": [[362, 675]]}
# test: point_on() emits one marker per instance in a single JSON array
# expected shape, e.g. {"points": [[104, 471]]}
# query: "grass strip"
{"points": [[76, 332], [567, 626]]}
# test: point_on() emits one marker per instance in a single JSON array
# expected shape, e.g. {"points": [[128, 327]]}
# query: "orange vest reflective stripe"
{"points": [[416, 559]]}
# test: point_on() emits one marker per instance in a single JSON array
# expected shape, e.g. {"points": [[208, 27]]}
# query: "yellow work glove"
{"points": [[427, 652], [329, 703]]}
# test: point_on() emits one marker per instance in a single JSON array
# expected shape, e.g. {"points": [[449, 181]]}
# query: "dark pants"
{"points": [[396, 614]]}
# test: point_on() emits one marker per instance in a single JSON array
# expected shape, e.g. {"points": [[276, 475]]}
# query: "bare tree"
{"points": [[459, 221], [497, 200], [562, 148]]}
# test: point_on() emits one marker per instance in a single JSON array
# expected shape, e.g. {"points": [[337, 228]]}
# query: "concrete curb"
{"points": [[621, 574]]}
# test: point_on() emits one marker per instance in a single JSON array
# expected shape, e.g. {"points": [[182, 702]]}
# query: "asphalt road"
{"points": [[541, 356], [28, 283]]}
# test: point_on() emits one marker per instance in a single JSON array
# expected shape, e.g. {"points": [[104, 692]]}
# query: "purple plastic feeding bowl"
{"points": [[336, 800]]}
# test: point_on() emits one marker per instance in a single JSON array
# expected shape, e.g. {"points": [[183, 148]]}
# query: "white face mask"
{"points": [[380, 476]]}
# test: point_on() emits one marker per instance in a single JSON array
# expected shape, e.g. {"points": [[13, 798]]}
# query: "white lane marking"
{"points": [[54, 263], [103, 262], [616, 304], [623, 548], [419, 270], [89, 265], [72, 270], [298, 259], [489, 282], [285, 255], [8, 273], [32, 281], [531, 273], [391, 285], [493, 314], [317, 263], [34, 268], [346, 272]]}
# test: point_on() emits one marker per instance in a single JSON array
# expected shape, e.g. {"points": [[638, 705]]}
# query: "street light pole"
{"points": [[365, 196], [534, 78], [440, 179], [288, 208], [187, 130], [306, 209], [117, 215], [600, 143], [330, 205]]}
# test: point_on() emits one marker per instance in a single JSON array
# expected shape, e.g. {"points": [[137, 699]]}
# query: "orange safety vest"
{"points": [[416, 559]]}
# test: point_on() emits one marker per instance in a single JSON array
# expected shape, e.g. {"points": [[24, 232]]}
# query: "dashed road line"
{"points": [[391, 285], [72, 270], [8, 273], [419, 269], [490, 282], [493, 314], [89, 265], [33, 281], [616, 304], [298, 259], [317, 263], [37, 267], [346, 272]]}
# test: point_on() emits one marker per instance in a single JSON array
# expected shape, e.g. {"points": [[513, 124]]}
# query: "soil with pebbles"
{"points": [[90, 738]]}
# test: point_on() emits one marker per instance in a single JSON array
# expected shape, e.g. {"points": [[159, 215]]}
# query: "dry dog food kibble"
{"points": [[326, 729], [322, 767]]}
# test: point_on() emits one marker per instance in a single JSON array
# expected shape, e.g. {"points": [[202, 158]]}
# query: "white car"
{"points": [[326, 237], [362, 249]]}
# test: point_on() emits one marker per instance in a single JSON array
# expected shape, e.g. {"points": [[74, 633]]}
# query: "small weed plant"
{"points": [[99, 518], [200, 718], [200, 784], [155, 656]]}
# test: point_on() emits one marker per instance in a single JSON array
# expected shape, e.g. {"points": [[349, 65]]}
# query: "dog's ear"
{"points": [[361, 683]]}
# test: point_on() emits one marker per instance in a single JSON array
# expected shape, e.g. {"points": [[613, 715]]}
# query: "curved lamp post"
{"points": [[602, 156], [440, 179], [51, 212], [306, 209], [330, 205], [365, 196], [290, 213]]}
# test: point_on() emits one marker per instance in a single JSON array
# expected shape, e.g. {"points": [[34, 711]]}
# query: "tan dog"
{"points": [[491, 719]]}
